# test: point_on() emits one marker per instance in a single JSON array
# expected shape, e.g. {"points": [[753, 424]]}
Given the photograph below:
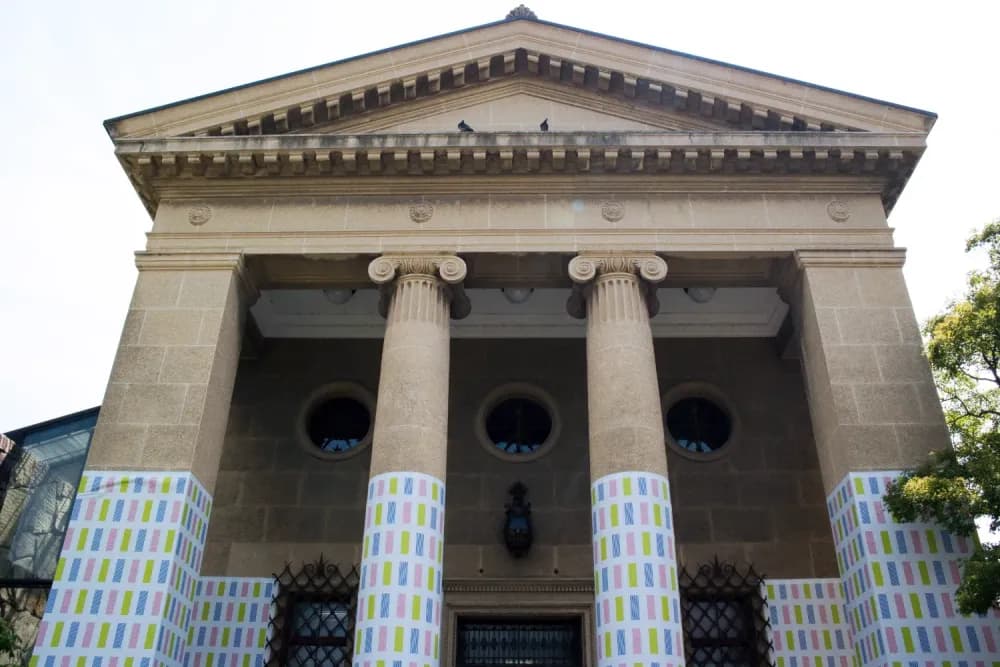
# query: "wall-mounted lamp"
{"points": [[700, 294], [338, 295], [517, 531], [517, 294]]}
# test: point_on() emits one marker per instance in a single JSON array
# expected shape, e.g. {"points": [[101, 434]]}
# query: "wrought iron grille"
{"points": [[312, 620], [505, 642], [724, 616]]}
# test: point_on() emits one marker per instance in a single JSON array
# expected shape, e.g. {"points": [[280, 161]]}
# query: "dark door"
{"points": [[509, 642]]}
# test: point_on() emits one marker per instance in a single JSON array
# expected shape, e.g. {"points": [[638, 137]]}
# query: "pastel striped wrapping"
{"points": [[809, 626], [899, 582], [230, 622], [125, 580], [635, 572], [399, 598]]}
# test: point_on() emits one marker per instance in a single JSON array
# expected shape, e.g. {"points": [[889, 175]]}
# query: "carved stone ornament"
{"points": [[387, 268], [421, 211], [449, 268], [612, 211], [199, 215], [584, 268], [521, 12], [838, 210]]}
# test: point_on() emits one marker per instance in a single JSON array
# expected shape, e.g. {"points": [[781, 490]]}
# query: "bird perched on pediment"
{"points": [[544, 126], [464, 127]]}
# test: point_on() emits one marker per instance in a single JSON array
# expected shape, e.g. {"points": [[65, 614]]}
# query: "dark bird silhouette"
{"points": [[464, 127], [544, 127]]}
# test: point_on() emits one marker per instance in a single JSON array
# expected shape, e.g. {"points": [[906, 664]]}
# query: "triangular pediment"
{"points": [[517, 105], [602, 78]]}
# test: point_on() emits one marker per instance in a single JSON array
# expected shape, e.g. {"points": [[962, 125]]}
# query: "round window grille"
{"points": [[517, 422], [698, 421], [336, 421]]}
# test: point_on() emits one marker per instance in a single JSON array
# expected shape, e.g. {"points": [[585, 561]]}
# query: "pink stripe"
{"points": [[776, 638], [68, 541], [630, 544], [389, 539], [794, 590], [822, 615], [427, 636], [133, 640], [644, 514], [66, 599], [636, 641], [175, 511], [88, 570], [418, 575], [617, 572], [612, 488], [786, 615], [900, 607], [109, 608], [230, 611], [815, 639], [157, 601], [88, 509], [422, 489], [601, 520], [133, 509], [890, 636], [406, 511], [88, 632], [437, 613], [939, 638], [383, 637], [606, 610], [991, 645], [400, 607], [154, 542], [133, 572], [662, 575], [918, 546], [213, 636], [870, 542], [908, 572], [112, 539], [650, 608]]}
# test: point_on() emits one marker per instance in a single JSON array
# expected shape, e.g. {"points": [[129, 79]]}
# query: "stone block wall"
{"points": [[761, 503]]}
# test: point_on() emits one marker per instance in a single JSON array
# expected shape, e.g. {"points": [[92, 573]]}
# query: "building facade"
{"points": [[517, 345]]}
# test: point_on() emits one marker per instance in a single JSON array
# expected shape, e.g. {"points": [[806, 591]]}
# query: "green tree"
{"points": [[956, 485]]}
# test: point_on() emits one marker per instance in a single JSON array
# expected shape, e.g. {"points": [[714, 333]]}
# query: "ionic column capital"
{"points": [[585, 268], [449, 269]]}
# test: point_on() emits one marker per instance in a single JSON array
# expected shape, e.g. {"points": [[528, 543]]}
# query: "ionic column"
{"points": [[635, 567], [399, 600]]}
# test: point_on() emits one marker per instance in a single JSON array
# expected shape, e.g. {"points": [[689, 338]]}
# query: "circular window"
{"points": [[698, 421], [336, 421], [517, 422]]}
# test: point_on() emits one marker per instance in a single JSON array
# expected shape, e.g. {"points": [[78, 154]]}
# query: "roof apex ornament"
{"points": [[521, 12]]}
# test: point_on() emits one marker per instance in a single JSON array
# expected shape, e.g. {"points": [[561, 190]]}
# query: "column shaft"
{"points": [[635, 566], [399, 601]]}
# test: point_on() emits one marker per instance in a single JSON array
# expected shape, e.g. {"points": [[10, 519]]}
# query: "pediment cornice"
{"points": [[247, 165], [655, 79]]}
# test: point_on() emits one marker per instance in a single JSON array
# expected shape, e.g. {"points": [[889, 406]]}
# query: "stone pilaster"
{"points": [[875, 412], [635, 566], [399, 601], [124, 586]]}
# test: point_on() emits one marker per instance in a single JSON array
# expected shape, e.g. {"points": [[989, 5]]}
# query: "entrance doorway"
{"points": [[510, 641]]}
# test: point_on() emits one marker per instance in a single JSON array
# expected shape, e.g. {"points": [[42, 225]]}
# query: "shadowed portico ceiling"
{"points": [[314, 123]]}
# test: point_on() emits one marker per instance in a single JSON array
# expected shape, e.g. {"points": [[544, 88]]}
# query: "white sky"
{"points": [[71, 220]]}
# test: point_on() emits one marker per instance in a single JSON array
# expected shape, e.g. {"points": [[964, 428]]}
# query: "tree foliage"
{"points": [[959, 484]]}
